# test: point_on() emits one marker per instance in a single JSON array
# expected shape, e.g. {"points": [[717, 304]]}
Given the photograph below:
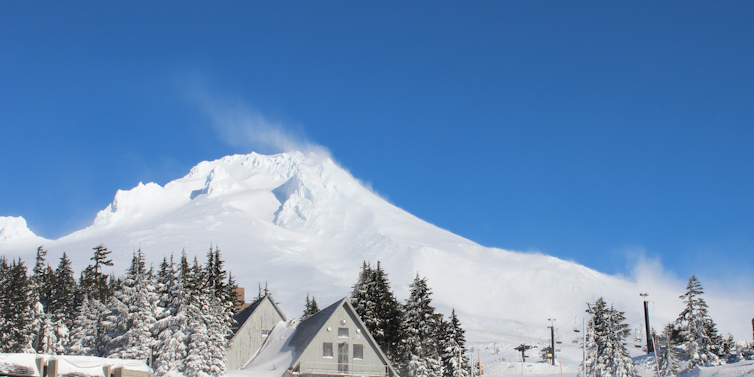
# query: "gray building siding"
{"points": [[248, 339], [312, 359]]}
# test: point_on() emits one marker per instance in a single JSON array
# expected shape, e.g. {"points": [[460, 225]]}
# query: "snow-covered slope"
{"points": [[303, 224]]}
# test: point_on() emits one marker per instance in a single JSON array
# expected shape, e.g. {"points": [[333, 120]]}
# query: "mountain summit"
{"points": [[304, 225]]}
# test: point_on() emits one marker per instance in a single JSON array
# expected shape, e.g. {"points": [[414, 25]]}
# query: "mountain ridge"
{"points": [[304, 224]]}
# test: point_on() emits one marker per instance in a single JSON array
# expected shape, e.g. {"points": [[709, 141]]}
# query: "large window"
{"points": [[358, 351], [342, 332], [327, 350], [343, 357]]}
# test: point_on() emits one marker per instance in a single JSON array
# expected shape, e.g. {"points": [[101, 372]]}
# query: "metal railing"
{"points": [[332, 368]]}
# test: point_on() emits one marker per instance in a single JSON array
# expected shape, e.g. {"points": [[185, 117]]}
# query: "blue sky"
{"points": [[592, 131]]}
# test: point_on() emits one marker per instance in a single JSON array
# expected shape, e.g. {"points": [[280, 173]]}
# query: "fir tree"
{"points": [[198, 356], [131, 316], [88, 329], [171, 327], [453, 342], [606, 355], [311, 307], [64, 293], [17, 331], [379, 310], [420, 328], [697, 330], [94, 282], [667, 357], [42, 280]]}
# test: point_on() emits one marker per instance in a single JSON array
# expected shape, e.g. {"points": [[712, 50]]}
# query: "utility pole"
{"points": [[650, 346], [552, 338]]}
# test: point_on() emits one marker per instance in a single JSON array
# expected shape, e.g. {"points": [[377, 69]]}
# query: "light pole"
{"points": [[650, 346]]}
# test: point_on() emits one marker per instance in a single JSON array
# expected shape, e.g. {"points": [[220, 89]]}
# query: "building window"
{"points": [[343, 357], [265, 333], [358, 351], [342, 332], [327, 350]]}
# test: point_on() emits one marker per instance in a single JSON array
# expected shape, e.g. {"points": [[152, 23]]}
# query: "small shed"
{"points": [[253, 325]]}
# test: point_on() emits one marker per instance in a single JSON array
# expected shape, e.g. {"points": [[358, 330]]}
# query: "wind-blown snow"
{"points": [[303, 224]]}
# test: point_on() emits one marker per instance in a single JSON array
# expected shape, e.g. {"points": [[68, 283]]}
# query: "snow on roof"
{"points": [[19, 363], [275, 356], [92, 366]]}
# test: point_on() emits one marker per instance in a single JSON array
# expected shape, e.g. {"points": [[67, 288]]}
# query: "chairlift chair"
{"points": [[576, 326], [638, 340]]}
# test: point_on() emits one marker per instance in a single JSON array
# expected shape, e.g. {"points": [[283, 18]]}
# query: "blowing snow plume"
{"points": [[239, 124]]}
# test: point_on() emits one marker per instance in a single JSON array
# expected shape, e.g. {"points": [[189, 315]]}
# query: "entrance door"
{"points": [[343, 357]]}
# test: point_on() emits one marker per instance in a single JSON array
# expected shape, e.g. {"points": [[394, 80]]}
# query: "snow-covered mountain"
{"points": [[303, 224]]}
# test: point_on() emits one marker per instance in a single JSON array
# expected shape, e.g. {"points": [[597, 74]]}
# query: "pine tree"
{"points": [[420, 326], [171, 327], [311, 307], [379, 310], [606, 355], [198, 355], [64, 293], [131, 317], [94, 282], [667, 357], [88, 329], [453, 342], [697, 330], [17, 331]]}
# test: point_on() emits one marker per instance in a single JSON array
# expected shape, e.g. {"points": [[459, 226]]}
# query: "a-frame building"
{"points": [[333, 342], [253, 325]]}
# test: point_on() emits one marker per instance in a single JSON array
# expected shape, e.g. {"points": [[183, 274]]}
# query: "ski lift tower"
{"points": [[552, 338], [650, 346]]}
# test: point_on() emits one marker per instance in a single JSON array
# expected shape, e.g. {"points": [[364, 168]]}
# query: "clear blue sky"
{"points": [[584, 130]]}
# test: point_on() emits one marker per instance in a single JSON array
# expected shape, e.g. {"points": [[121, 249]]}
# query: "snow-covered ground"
{"points": [[303, 224]]}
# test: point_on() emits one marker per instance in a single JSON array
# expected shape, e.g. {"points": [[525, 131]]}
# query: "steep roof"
{"points": [[308, 328], [241, 317]]}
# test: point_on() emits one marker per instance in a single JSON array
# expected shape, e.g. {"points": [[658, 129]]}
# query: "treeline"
{"points": [[418, 341], [177, 318], [692, 340]]}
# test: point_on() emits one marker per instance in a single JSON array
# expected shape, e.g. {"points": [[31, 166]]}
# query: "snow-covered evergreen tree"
{"points": [[171, 327], [362, 299], [453, 342], [697, 330], [667, 357], [606, 355], [380, 311], [132, 315], [198, 357], [209, 326], [94, 282], [17, 331], [420, 330], [64, 293], [88, 329]]}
